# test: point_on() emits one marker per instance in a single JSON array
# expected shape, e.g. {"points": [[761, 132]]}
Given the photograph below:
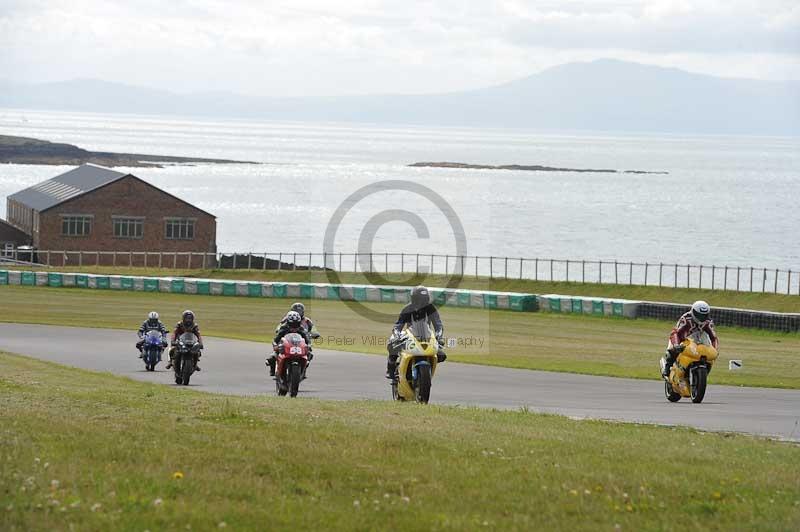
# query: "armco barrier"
{"points": [[178, 285], [734, 317]]}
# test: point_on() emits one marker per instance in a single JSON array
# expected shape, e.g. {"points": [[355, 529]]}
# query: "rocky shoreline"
{"points": [[531, 168], [24, 150]]}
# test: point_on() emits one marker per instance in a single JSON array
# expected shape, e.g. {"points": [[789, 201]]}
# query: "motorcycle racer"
{"points": [[152, 323], [419, 308], [187, 324], [696, 325], [293, 324]]}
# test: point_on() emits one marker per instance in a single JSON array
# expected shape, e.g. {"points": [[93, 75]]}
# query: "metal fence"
{"points": [[737, 278]]}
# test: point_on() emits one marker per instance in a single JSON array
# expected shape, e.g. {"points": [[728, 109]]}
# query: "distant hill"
{"points": [[603, 95]]}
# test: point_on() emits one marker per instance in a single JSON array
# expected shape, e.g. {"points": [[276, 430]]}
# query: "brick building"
{"points": [[92, 208], [11, 238]]}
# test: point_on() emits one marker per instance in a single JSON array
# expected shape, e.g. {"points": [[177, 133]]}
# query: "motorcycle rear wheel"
{"points": [[698, 388], [423, 390], [672, 396]]}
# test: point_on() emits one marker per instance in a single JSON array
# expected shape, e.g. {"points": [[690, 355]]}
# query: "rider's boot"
{"points": [[669, 360], [196, 365], [391, 370], [441, 356], [271, 361], [169, 364]]}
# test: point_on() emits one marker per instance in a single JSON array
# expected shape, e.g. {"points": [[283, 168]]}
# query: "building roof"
{"points": [[59, 189], [9, 233]]}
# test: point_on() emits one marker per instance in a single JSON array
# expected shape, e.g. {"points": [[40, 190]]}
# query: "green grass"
{"points": [[89, 451], [720, 298], [580, 344]]}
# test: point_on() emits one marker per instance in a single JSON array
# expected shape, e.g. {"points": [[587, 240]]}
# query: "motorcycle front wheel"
{"points": [[186, 370], [698, 386], [423, 390], [672, 397], [295, 376]]}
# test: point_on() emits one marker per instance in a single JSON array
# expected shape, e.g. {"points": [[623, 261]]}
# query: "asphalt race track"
{"points": [[237, 367]]}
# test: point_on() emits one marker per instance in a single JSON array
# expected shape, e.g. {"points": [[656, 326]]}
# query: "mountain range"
{"points": [[602, 95]]}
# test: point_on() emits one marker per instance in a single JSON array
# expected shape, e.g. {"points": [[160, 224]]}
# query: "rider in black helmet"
{"points": [[187, 324], [419, 308], [292, 323]]}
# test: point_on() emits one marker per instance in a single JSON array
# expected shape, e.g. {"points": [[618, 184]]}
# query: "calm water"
{"points": [[726, 200]]}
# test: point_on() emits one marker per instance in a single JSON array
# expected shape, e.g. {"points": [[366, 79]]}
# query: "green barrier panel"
{"points": [[489, 300], [151, 285], [28, 279], [440, 298], [82, 281], [254, 290], [204, 288], [616, 309], [464, 299], [597, 307], [387, 294], [555, 304], [126, 283], [228, 289], [577, 306], [279, 290], [55, 280], [177, 286], [360, 293], [523, 303], [333, 292], [3, 277], [102, 282], [306, 291]]}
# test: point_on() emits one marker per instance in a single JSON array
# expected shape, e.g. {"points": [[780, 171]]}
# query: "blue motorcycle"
{"points": [[154, 344]]}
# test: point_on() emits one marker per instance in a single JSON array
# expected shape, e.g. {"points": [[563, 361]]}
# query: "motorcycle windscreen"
{"points": [[420, 330], [153, 337], [294, 339], [188, 339]]}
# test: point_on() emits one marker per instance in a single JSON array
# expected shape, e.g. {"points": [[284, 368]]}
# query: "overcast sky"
{"points": [[332, 47]]}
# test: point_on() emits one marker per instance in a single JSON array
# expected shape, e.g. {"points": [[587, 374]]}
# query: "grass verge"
{"points": [[719, 298], [90, 451], [580, 344]]}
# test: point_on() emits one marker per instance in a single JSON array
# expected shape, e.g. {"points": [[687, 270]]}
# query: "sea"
{"points": [[725, 200]]}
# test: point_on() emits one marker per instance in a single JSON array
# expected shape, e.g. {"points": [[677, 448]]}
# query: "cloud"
{"points": [[305, 47]]}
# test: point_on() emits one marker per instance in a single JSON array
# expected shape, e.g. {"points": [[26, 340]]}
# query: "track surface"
{"points": [[237, 367]]}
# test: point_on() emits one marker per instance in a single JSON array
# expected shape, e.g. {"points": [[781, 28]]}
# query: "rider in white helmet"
{"points": [[152, 323], [695, 324]]}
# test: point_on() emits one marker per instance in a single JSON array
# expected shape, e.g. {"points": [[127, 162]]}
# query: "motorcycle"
{"points": [[153, 347], [291, 364], [688, 376], [416, 363], [187, 349]]}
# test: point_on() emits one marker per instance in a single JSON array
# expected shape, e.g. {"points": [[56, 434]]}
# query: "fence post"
{"points": [[130, 259], [386, 262], [600, 271], [764, 280], [520, 269], [630, 274], [616, 275], [417, 266], [789, 283], [738, 268], [646, 267], [175, 261], [536, 272], [264, 262], [751, 278], [567, 270], [309, 262], [446, 264], [402, 263], [160, 258], [48, 258], [583, 271], [340, 261], [713, 275], [432, 271], [205, 257], [700, 283], [80, 258], [687, 276], [491, 267], [776, 282], [188, 261], [675, 277], [660, 271], [280, 260], [551, 270], [294, 262], [506, 268], [725, 283], [250, 261], [476, 266], [234, 259]]}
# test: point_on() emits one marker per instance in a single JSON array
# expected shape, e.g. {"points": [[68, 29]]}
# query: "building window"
{"points": [[8, 249], [180, 229], [128, 227], [76, 225]]}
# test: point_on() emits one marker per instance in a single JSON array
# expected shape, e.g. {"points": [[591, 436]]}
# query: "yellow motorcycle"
{"points": [[416, 363], [689, 373]]}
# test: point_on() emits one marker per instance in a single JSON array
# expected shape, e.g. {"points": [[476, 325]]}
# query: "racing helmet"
{"points": [[701, 311], [299, 308], [293, 319], [152, 318], [187, 318], [420, 297]]}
